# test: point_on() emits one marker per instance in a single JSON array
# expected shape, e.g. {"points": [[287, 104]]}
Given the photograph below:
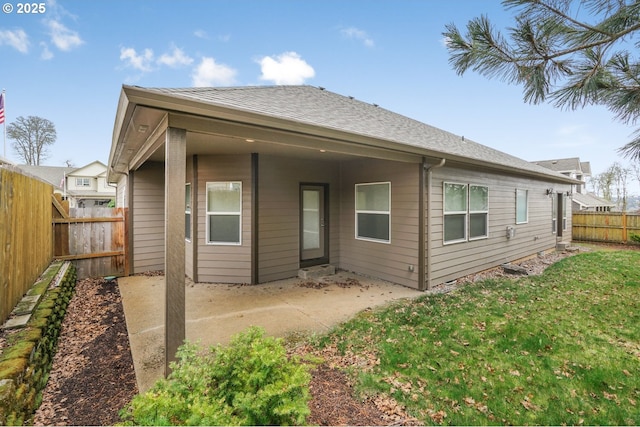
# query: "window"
{"points": [[224, 213], [455, 212], [187, 212], [478, 212], [554, 213], [522, 206], [466, 207], [82, 182], [564, 211], [373, 212]]}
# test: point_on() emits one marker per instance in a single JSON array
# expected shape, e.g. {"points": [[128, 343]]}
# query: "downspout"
{"points": [[426, 258]]}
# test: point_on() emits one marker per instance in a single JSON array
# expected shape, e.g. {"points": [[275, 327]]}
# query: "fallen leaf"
{"points": [[438, 417], [528, 405]]}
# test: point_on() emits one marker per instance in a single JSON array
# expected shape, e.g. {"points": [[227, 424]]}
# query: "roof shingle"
{"points": [[316, 106]]}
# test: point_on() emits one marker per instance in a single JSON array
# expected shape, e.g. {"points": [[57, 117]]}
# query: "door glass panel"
{"points": [[310, 219]]}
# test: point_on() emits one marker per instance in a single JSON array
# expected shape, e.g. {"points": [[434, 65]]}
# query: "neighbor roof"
{"points": [[561, 165], [52, 174], [591, 200], [308, 105], [586, 168]]}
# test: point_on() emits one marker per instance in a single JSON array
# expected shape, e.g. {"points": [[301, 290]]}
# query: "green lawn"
{"points": [[560, 348]]}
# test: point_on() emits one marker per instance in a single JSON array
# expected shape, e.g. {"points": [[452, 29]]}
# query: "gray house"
{"points": [[250, 184]]}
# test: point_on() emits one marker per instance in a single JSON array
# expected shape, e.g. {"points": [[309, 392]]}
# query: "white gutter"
{"points": [[429, 171]]}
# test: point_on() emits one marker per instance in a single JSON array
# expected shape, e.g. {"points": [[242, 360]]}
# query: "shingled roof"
{"points": [[314, 106], [571, 164]]}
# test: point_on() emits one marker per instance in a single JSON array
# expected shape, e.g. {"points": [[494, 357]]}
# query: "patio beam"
{"points": [[174, 264]]}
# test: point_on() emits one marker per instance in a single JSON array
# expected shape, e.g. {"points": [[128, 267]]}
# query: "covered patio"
{"points": [[215, 312]]}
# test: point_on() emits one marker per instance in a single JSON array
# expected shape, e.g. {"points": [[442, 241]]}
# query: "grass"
{"points": [[560, 348]]}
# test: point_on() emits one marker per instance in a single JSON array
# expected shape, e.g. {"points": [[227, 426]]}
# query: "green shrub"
{"points": [[635, 237], [249, 382]]}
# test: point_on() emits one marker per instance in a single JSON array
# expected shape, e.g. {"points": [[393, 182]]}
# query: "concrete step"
{"points": [[562, 246], [316, 271]]}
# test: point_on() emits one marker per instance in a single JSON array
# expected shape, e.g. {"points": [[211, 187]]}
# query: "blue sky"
{"points": [[68, 64]]}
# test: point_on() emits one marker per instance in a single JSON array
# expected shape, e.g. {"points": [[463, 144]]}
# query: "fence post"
{"points": [[624, 227]]}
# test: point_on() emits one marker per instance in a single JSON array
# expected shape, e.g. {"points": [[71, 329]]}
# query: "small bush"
{"points": [[635, 238], [249, 382]]}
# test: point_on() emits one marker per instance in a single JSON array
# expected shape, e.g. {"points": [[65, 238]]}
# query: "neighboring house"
{"points": [[581, 200], [250, 184], [89, 186], [84, 187]]}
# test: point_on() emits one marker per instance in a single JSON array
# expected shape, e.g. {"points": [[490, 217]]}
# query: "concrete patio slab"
{"points": [[215, 312]]}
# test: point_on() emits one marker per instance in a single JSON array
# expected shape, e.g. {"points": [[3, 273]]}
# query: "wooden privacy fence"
{"points": [[614, 227], [94, 239], [26, 245]]}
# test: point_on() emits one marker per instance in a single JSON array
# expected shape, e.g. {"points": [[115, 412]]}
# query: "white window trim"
{"points": [[554, 213], [208, 213], [467, 213], [80, 182], [188, 210], [526, 221], [388, 213], [486, 218], [445, 213], [564, 212]]}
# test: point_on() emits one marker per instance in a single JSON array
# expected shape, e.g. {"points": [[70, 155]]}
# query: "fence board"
{"points": [[96, 240], [613, 227], [26, 239]]}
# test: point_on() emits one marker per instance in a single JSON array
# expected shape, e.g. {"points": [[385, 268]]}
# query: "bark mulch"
{"points": [[92, 377]]}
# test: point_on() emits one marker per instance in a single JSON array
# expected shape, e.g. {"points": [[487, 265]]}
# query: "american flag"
{"points": [[1, 108]]}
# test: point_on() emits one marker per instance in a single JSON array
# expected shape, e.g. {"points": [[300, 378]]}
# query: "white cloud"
{"points": [[46, 53], [17, 39], [62, 37], [201, 34], [358, 34], [141, 62], [177, 58], [210, 73], [287, 68]]}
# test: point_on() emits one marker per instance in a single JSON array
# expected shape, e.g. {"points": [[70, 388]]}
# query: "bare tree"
{"points": [[31, 138], [621, 180], [613, 182], [635, 171], [602, 184]]}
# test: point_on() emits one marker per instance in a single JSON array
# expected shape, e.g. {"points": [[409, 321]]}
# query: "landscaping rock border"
{"points": [[30, 344]]}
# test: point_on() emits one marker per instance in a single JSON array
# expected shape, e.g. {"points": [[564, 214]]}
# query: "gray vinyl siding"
{"points": [[388, 261], [455, 260], [148, 218], [224, 263], [279, 214]]}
